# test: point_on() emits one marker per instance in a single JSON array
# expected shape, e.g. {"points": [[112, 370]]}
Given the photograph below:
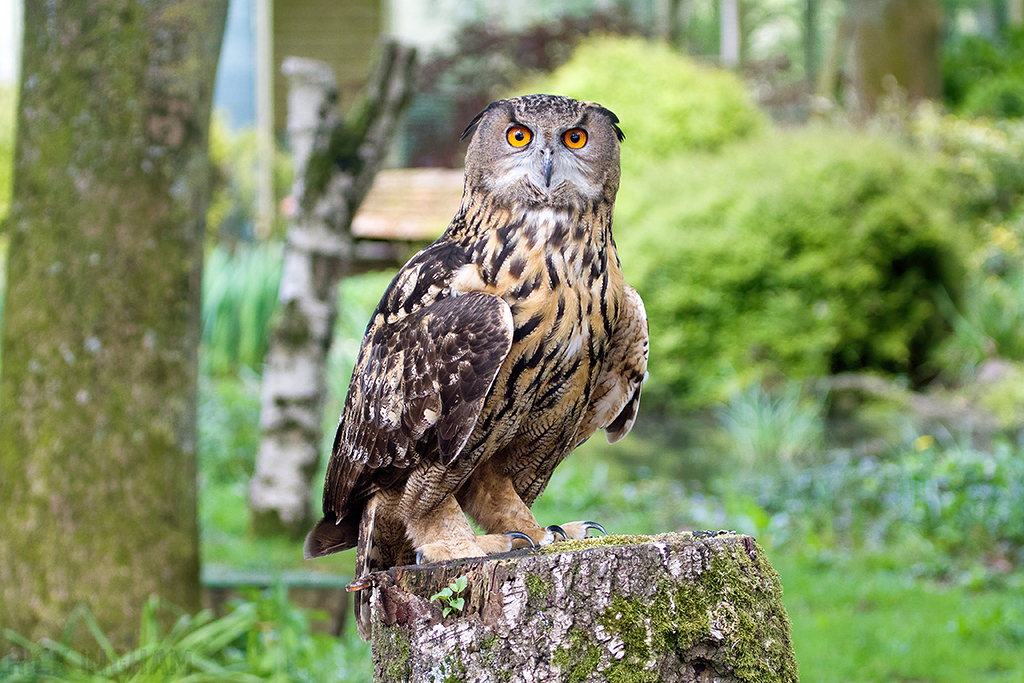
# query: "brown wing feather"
{"points": [[417, 390], [616, 397]]}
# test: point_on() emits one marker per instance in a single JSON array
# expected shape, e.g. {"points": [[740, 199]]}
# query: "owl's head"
{"points": [[544, 150]]}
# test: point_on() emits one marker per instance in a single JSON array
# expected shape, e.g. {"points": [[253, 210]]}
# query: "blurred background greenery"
{"points": [[837, 346]]}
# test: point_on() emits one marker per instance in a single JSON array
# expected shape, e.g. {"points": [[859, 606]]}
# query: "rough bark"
{"points": [[663, 608], [335, 161], [101, 330]]}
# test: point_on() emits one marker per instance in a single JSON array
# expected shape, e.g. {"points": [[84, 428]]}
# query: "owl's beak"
{"points": [[548, 165]]}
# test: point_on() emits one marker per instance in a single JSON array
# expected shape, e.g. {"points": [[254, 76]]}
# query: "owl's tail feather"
{"points": [[367, 561], [332, 535]]}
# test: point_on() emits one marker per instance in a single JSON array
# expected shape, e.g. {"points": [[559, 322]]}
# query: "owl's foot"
{"points": [[442, 551]]}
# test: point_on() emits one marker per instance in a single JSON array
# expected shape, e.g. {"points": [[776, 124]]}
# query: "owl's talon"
{"points": [[519, 534], [578, 530], [419, 557], [554, 528]]}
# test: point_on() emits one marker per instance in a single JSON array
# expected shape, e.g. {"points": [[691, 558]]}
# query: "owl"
{"points": [[493, 353]]}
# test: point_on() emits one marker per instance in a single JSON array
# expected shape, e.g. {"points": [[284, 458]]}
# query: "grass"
{"points": [[864, 617], [264, 638]]}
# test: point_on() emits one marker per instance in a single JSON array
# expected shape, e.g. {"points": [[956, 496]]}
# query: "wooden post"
{"points": [[675, 607]]}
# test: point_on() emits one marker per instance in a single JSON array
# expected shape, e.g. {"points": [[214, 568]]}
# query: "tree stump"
{"points": [[675, 607]]}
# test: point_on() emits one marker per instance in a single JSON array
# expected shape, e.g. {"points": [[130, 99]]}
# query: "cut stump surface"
{"points": [[674, 607]]}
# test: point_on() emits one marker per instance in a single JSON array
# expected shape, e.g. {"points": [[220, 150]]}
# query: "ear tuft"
{"points": [[611, 117], [476, 120]]}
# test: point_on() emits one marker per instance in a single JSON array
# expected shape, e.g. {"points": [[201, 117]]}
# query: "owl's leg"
{"points": [[444, 533], [490, 498]]}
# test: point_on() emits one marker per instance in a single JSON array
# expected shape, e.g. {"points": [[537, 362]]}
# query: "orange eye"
{"points": [[575, 138], [518, 136]]}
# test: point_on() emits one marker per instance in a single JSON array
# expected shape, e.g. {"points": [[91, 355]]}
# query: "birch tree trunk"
{"points": [[731, 43], [335, 162], [101, 329], [662, 608]]}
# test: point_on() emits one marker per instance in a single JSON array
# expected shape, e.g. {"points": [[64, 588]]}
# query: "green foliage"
{"points": [[793, 255], [3, 289], [234, 156], [284, 649], [672, 104], [239, 298], [191, 647], [765, 430], [229, 432], [989, 321], [8, 107], [264, 639], [451, 596], [982, 77], [998, 97], [960, 501], [985, 157]]}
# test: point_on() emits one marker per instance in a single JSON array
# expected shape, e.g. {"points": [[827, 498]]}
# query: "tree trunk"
{"points": [[662, 608], [895, 46], [101, 331], [731, 44], [335, 162], [810, 40]]}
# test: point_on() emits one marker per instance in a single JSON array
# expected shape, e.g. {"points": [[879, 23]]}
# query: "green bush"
{"points": [[234, 159], [986, 156], [1001, 96], [667, 105], [794, 254], [982, 77]]}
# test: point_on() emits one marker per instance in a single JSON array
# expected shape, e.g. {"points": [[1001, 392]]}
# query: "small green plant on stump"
{"points": [[451, 596]]}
